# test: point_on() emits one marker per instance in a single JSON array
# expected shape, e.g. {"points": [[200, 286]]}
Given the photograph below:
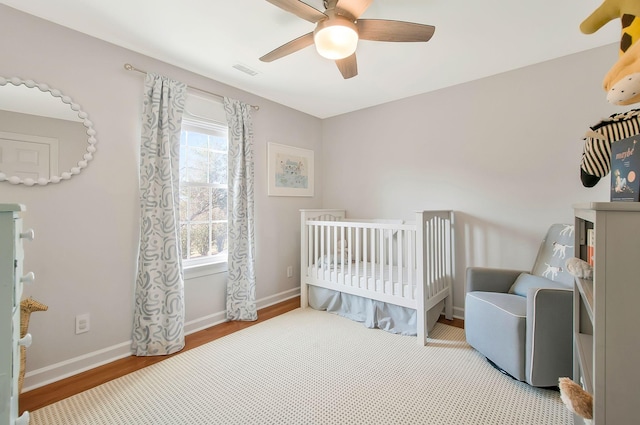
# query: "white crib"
{"points": [[408, 265]]}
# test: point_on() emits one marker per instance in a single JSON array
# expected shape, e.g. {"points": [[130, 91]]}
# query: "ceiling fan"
{"points": [[338, 30]]}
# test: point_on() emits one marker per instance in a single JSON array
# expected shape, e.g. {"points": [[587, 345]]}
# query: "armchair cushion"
{"points": [[526, 281], [490, 280]]}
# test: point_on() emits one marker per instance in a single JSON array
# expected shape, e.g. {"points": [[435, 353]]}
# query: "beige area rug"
{"points": [[311, 367]]}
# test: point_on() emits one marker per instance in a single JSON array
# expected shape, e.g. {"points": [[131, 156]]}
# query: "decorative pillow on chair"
{"points": [[526, 281]]}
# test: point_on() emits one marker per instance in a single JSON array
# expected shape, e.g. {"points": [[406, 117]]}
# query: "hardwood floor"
{"points": [[43, 396]]}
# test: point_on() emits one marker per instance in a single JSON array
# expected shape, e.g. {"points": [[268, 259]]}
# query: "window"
{"points": [[203, 191]]}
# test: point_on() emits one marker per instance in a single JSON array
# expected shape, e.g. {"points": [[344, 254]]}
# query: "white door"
{"points": [[27, 156]]}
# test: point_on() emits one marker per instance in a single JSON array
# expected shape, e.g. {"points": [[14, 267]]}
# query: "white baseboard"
{"points": [[220, 317], [458, 313], [277, 298], [58, 371]]}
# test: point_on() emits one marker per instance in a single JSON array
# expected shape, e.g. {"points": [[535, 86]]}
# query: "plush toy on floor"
{"points": [[576, 398], [622, 82]]}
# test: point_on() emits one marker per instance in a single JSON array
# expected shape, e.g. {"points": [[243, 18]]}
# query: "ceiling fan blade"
{"points": [[300, 9], [352, 8], [348, 66], [385, 30], [288, 48]]}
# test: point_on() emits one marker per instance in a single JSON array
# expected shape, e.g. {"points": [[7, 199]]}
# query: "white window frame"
{"points": [[203, 266]]}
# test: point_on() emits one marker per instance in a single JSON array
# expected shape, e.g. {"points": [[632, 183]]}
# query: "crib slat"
{"points": [[428, 266], [323, 253], [310, 248], [438, 284], [400, 261], [373, 259], [437, 257], [445, 257], [411, 277], [317, 254], [434, 261], [365, 256], [349, 254], [336, 265], [389, 260], [439, 250], [381, 258], [340, 260], [357, 255]]}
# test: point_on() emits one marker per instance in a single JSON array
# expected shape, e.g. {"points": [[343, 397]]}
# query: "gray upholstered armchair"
{"points": [[521, 321]]}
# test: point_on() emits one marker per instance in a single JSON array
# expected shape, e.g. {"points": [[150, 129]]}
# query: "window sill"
{"points": [[201, 270]]}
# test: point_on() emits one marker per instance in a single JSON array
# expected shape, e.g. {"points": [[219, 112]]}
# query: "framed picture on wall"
{"points": [[290, 171]]}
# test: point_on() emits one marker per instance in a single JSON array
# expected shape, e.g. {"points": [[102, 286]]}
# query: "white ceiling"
{"points": [[473, 39]]}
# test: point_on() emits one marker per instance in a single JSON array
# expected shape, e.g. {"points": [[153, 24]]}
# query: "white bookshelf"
{"points": [[606, 311]]}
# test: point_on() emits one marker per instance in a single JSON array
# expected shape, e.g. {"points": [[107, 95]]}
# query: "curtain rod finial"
{"points": [[128, 67]]}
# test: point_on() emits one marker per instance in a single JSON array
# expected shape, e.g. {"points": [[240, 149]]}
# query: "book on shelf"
{"points": [[625, 170], [591, 244]]}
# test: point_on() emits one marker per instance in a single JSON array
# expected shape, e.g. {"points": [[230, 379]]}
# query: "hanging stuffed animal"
{"points": [[596, 154], [622, 82]]}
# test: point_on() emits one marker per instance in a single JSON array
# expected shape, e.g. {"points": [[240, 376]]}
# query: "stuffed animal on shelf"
{"points": [[579, 268], [596, 153], [576, 398], [622, 82]]}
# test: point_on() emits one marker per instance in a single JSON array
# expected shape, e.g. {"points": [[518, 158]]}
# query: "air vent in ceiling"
{"points": [[245, 69]]}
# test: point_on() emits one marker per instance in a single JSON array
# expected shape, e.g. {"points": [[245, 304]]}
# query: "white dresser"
{"points": [[11, 281]]}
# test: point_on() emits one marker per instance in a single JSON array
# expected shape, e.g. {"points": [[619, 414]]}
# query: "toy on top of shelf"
{"points": [[622, 82], [596, 153]]}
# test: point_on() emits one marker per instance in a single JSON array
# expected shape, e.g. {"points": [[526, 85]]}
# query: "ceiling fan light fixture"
{"points": [[336, 38]]}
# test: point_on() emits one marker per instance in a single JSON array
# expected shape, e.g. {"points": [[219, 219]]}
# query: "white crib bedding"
{"points": [[371, 313], [353, 275]]}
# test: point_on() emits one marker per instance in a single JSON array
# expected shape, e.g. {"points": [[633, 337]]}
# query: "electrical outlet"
{"points": [[82, 323], [290, 271]]}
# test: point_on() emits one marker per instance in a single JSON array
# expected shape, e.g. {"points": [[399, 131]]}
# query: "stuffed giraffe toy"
{"points": [[27, 306], [622, 82]]}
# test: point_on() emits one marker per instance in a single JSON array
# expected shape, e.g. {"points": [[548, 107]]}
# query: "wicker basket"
{"points": [[27, 307]]}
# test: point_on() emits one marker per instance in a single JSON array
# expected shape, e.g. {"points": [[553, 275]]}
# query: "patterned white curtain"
{"points": [[158, 321], [241, 287]]}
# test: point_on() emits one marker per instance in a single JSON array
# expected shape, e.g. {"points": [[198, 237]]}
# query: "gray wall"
{"points": [[84, 254], [503, 152]]}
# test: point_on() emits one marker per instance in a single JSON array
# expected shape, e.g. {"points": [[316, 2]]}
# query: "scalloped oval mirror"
{"points": [[44, 136]]}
